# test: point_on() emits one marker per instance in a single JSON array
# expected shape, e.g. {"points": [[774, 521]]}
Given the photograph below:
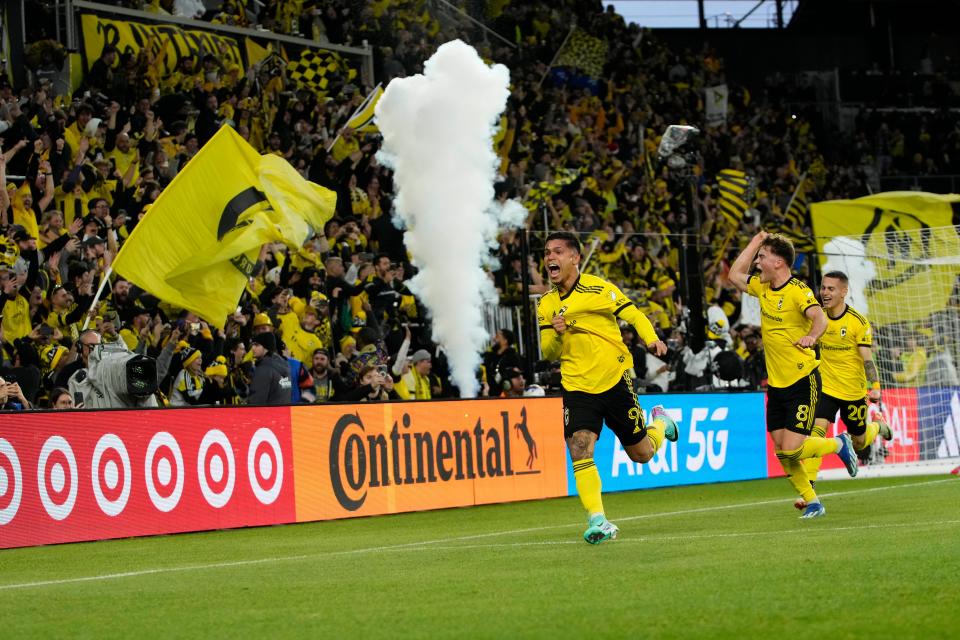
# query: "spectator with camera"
{"points": [[374, 384], [12, 398]]}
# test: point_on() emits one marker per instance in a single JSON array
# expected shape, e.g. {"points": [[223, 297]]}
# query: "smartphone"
{"points": [[77, 398]]}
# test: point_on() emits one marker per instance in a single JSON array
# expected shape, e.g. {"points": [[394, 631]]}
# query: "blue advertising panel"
{"points": [[722, 439], [939, 432]]}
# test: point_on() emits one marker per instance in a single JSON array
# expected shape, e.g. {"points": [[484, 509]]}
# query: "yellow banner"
{"points": [[199, 243], [177, 42], [899, 250]]}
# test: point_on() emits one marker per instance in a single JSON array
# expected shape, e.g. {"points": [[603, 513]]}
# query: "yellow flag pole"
{"points": [[363, 105]]}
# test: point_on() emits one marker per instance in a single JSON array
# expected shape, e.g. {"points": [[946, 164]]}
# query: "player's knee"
{"points": [[642, 452]]}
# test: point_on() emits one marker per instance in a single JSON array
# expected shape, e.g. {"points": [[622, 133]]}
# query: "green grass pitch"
{"points": [[715, 561]]}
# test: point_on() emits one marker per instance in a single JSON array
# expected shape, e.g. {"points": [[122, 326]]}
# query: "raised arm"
{"points": [[740, 270]]}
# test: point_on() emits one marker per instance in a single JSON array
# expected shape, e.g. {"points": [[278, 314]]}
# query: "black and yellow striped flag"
{"points": [[735, 191], [541, 190], [584, 52], [796, 219], [798, 210], [314, 70]]}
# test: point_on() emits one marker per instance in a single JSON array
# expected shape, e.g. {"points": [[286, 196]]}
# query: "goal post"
{"points": [[903, 266]]}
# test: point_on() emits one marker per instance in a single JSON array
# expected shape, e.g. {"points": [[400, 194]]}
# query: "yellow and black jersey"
{"points": [[841, 364], [591, 352], [783, 321]]}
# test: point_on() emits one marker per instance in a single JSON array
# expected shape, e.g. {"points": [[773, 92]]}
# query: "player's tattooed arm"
{"points": [[870, 368]]}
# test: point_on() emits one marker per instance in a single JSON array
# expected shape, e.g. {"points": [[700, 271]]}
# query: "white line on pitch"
{"points": [[434, 543], [694, 536]]}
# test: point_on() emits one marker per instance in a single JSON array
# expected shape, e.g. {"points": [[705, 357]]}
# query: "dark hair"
{"points": [[839, 275], [509, 336], [779, 245], [55, 395], [367, 335], [572, 241]]}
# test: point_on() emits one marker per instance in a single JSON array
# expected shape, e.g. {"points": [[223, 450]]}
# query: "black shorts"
{"points": [[853, 413], [618, 406], [793, 408]]}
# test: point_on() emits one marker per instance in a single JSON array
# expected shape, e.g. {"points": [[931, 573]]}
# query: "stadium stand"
{"points": [[578, 147]]}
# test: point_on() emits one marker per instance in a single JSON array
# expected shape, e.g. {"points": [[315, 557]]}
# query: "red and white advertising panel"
{"points": [[84, 476]]}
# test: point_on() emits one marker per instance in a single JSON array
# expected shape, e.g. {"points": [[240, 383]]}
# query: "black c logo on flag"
{"points": [[243, 201]]}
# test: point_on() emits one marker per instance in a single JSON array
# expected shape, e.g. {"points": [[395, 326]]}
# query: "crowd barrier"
{"points": [[73, 476]]}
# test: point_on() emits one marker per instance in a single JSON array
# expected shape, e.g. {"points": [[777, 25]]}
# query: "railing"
{"points": [[930, 184]]}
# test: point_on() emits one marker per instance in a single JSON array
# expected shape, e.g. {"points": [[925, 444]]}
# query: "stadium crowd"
{"points": [[333, 320]]}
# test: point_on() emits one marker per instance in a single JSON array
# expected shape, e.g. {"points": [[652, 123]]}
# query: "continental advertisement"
{"points": [[388, 458], [173, 42]]}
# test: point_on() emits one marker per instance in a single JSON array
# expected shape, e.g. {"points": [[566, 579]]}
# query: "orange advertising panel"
{"points": [[363, 460]]}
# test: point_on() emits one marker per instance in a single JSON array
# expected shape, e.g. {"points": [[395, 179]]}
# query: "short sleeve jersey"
{"points": [[783, 321], [841, 364], [593, 356]]}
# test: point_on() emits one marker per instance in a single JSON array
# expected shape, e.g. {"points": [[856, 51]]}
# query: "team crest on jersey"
{"points": [[780, 304], [843, 332]]}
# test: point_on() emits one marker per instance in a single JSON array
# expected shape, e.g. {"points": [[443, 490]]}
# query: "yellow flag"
{"points": [[197, 246], [898, 249], [362, 120], [256, 53]]}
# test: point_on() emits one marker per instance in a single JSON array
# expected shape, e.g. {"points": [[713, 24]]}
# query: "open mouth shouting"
{"points": [[553, 268]]}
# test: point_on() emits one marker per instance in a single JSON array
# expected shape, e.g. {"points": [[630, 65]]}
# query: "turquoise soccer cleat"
{"points": [[600, 529], [670, 430]]}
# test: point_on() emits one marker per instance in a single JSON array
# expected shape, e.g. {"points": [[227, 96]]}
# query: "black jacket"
{"points": [[271, 382]]}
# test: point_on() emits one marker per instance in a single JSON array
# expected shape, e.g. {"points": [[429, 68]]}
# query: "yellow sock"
{"points": [[872, 430], [812, 465], [796, 474], [655, 433], [814, 447], [588, 485]]}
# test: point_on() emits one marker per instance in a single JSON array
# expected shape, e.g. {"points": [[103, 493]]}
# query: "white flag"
{"points": [[716, 105]]}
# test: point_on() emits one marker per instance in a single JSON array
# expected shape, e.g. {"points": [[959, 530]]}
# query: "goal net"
{"points": [[905, 281]]}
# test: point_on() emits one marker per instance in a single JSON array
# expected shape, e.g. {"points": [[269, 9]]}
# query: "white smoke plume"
{"points": [[437, 137]]}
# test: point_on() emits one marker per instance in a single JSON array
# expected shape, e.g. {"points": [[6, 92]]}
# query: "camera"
{"points": [[116, 377], [678, 147]]}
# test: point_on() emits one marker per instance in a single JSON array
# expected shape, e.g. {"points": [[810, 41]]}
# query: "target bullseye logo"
{"points": [[56, 460], [265, 466], [163, 466], [110, 489], [216, 468], [11, 482]]}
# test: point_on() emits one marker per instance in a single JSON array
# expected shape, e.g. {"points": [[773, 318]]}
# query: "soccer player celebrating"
{"points": [[578, 325], [846, 363], [792, 323]]}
